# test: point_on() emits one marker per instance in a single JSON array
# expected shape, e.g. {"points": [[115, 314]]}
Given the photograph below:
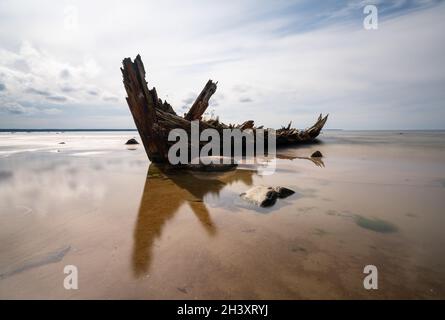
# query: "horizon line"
{"points": [[123, 129]]}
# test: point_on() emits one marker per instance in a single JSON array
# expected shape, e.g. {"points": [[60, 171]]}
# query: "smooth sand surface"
{"points": [[136, 231]]}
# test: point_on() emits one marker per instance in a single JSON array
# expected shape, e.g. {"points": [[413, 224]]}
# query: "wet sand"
{"points": [[136, 231]]}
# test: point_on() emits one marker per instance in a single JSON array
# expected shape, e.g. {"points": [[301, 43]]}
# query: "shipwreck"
{"points": [[155, 118]]}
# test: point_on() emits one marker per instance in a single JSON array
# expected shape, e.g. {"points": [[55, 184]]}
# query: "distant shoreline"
{"points": [[64, 130], [123, 130]]}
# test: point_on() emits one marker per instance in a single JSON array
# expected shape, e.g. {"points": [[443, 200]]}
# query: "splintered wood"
{"points": [[155, 118]]}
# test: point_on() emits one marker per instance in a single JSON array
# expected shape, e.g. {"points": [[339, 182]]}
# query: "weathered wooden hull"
{"points": [[154, 118]]}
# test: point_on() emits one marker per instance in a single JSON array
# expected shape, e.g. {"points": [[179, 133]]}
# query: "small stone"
{"points": [[132, 141], [316, 154], [261, 196], [183, 290], [265, 196], [62, 142], [284, 192], [269, 199]]}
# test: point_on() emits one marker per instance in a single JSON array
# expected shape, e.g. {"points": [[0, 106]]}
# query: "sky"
{"points": [[274, 61]]}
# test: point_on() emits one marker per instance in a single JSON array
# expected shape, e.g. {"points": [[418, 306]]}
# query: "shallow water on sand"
{"points": [[136, 231]]}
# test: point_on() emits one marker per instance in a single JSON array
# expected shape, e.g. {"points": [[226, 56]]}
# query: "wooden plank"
{"points": [[202, 102]]}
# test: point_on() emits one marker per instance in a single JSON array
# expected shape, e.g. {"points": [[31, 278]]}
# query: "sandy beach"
{"points": [[135, 231]]}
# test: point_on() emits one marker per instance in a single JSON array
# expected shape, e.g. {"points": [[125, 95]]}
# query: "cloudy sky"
{"points": [[275, 61]]}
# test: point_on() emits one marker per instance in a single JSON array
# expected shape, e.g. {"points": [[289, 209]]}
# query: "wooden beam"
{"points": [[202, 102], [142, 103]]}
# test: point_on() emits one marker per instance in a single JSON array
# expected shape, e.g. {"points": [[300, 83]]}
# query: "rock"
{"points": [[62, 142], [261, 196], [284, 192], [265, 196], [316, 154], [132, 141]]}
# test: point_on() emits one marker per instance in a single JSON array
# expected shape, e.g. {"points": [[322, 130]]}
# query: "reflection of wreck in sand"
{"points": [[315, 160], [164, 193]]}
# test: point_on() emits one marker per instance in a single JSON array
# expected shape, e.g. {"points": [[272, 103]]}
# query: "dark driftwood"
{"points": [[202, 102], [155, 118]]}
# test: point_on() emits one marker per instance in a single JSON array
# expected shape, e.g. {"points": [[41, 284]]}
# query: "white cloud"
{"points": [[15, 108], [389, 78]]}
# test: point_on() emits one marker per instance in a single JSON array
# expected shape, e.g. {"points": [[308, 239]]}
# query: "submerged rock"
{"points": [[317, 154], [375, 224], [52, 257], [265, 196], [132, 141]]}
